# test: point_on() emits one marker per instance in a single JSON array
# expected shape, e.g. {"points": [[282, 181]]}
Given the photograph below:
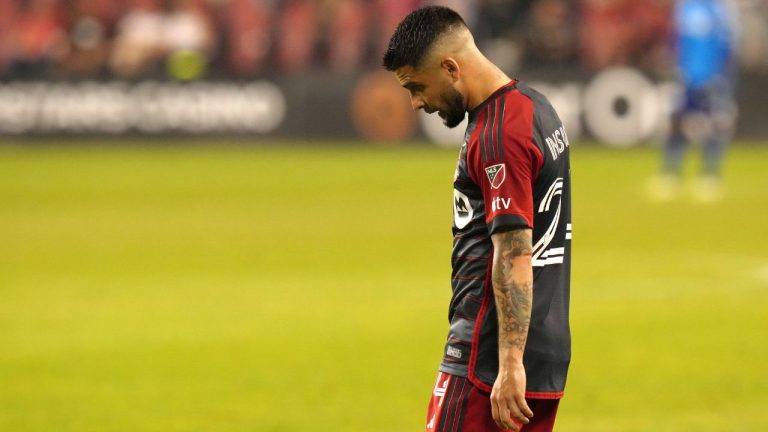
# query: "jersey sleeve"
{"points": [[506, 177]]}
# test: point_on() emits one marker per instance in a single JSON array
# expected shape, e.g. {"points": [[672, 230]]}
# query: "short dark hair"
{"points": [[416, 34]]}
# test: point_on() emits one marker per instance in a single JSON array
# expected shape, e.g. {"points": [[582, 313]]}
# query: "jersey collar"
{"points": [[503, 89]]}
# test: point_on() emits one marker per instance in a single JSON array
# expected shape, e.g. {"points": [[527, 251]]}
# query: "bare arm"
{"points": [[512, 277]]}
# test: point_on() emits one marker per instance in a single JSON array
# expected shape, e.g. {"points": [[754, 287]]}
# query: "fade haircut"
{"points": [[417, 33]]}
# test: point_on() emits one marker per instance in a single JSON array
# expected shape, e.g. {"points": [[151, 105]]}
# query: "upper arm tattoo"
{"points": [[512, 278]]}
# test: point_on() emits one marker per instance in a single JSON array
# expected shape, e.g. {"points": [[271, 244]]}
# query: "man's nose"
{"points": [[417, 102]]}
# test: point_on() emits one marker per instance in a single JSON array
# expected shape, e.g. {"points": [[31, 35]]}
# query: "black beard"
{"points": [[455, 108]]}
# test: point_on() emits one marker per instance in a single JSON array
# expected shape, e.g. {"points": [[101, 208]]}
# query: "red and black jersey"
{"points": [[513, 172]]}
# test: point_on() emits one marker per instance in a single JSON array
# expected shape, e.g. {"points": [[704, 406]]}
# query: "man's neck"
{"points": [[487, 79]]}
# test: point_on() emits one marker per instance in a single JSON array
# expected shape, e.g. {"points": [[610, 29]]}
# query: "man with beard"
{"points": [[508, 349]]}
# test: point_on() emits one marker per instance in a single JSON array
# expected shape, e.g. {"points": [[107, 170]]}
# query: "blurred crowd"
{"points": [[189, 39]]}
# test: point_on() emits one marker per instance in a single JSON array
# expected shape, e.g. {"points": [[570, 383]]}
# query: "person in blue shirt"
{"points": [[706, 38]]}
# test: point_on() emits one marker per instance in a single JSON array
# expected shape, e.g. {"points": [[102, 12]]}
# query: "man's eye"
{"points": [[415, 89]]}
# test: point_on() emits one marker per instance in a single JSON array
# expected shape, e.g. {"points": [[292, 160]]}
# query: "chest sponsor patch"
{"points": [[496, 174]]}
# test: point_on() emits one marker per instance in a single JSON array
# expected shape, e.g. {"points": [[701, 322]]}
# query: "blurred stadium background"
{"points": [[221, 215]]}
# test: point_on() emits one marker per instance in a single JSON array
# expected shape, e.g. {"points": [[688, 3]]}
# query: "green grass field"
{"points": [[302, 288]]}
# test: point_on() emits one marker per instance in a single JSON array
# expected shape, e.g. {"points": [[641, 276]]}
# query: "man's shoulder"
{"points": [[540, 102]]}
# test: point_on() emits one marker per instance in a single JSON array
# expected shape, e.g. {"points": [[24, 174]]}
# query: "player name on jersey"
{"points": [[557, 142]]}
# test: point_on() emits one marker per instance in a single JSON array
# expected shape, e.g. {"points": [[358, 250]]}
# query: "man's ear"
{"points": [[452, 67]]}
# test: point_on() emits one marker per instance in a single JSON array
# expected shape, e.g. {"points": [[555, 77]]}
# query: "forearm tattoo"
{"points": [[513, 290]]}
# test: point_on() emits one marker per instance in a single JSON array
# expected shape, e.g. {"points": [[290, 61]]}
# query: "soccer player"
{"points": [[508, 349], [705, 42]]}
